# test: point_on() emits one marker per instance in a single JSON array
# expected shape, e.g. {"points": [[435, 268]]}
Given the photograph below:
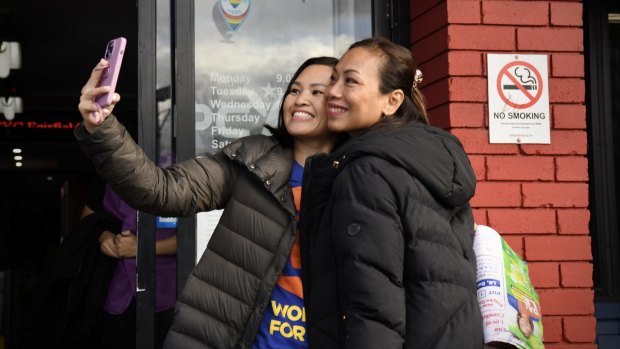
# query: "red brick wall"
{"points": [[535, 195]]}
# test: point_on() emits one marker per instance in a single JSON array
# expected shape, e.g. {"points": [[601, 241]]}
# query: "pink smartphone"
{"points": [[114, 55]]}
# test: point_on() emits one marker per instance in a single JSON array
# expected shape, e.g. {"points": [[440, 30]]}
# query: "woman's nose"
{"points": [[334, 90], [302, 99]]}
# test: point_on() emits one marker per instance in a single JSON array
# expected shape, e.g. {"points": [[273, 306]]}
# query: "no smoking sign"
{"points": [[518, 98]]}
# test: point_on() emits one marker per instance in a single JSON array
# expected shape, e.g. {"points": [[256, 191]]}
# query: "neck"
{"points": [[304, 148]]}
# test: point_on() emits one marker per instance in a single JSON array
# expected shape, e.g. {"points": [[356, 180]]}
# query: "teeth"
{"points": [[302, 114], [337, 110]]}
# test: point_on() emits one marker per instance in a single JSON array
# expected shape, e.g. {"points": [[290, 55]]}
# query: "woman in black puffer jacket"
{"points": [[387, 229]]}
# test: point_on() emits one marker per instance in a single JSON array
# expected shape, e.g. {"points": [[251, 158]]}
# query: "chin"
{"points": [[336, 127]]}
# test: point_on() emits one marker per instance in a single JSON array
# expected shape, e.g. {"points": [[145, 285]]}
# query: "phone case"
{"points": [[114, 53]]}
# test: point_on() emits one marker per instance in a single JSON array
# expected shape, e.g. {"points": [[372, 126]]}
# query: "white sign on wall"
{"points": [[518, 91]]}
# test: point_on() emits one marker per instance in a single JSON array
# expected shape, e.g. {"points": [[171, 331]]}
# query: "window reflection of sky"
{"points": [[163, 58], [275, 32], [163, 43], [275, 38]]}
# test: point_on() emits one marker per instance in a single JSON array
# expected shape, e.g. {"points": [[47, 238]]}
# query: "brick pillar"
{"points": [[536, 196]]}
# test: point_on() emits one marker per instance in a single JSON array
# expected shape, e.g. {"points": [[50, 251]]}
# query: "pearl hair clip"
{"points": [[417, 79]]}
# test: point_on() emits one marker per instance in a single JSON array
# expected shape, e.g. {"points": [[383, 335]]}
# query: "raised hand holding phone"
{"points": [[114, 53]]}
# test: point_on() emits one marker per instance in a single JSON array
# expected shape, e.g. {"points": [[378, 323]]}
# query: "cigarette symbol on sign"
{"points": [[525, 76], [519, 84]]}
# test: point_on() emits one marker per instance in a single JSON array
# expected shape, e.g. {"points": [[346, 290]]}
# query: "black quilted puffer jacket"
{"points": [[387, 243], [225, 297]]}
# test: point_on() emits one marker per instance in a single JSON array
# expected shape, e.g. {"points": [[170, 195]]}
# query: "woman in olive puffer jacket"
{"points": [[229, 300]]}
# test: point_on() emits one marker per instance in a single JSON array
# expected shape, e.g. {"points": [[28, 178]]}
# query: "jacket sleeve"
{"points": [[369, 248], [183, 189]]}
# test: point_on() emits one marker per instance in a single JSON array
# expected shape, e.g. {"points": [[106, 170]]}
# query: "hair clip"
{"points": [[417, 79]]}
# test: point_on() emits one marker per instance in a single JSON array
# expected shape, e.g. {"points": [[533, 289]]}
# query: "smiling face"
{"points": [[304, 107], [354, 101]]}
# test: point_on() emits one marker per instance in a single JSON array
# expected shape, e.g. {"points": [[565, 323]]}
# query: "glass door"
{"points": [[245, 54]]}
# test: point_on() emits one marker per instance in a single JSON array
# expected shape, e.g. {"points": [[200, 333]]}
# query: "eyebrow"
{"points": [[351, 71], [311, 85]]}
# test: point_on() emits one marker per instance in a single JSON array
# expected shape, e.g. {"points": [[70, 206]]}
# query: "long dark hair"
{"points": [[280, 132], [397, 71]]}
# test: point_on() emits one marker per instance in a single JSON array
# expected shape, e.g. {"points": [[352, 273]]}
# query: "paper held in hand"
{"points": [[509, 304]]}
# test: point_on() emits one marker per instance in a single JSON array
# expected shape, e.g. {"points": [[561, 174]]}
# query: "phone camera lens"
{"points": [[109, 50]]}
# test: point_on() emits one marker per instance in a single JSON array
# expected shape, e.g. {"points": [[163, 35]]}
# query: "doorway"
{"points": [[43, 173], [602, 26]]}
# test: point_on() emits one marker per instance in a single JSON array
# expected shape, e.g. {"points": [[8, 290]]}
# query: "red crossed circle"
{"points": [[532, 98]]}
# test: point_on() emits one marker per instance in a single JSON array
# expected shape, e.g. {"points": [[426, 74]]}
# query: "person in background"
{"points": [[246, 290], [387, 229], [118, 323], [71, 290]]}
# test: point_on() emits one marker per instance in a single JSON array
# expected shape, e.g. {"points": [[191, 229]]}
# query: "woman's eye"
{"points": [[350, 81], [333, 79], [295, 91], [317, 92]]}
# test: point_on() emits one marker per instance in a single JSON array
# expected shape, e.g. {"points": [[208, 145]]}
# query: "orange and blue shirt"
{"points": [[284, 321]]}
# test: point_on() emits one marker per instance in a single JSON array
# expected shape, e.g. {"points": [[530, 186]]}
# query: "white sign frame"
{"points": [[518, 90]]}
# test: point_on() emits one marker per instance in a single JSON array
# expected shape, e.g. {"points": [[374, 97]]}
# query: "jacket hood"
{"points": [[433, 156]]}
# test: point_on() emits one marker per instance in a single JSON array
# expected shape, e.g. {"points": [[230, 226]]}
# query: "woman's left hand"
{"points": [[126, 244], [92, 114]]}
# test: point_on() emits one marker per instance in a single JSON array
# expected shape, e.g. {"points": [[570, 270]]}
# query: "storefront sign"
{"points": [[52, 125], [518, 92]]}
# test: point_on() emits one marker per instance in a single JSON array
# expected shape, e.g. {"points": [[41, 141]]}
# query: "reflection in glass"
{"points": [[165, 148], [247, 50]]}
